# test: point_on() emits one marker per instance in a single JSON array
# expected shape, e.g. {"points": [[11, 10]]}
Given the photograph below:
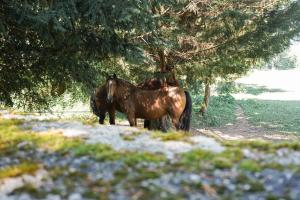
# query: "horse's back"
{"points": [[156, 103]]}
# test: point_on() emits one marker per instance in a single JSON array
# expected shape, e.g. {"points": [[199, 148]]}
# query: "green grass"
{"points": [[255, 186], [198, 158], [17, 170], [11, 135], [262, 145], [275, 115], [131, 136], [170, 135], [250, 165], [221, 111]]}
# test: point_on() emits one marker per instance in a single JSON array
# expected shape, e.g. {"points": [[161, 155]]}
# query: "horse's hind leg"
{"points": [[176, 123], [162, 124], [146, 123]]}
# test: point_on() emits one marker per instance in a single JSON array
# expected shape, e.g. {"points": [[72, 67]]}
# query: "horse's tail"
{"points": [[185, 118], [93, 105]]}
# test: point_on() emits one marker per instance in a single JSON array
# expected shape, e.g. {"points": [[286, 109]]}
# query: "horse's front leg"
{"points": [[112, 116], [131, 119], [146, 123], [101, 118]]}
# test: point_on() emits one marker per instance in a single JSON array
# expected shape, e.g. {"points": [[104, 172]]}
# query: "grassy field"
{"points": [[276, 115], [283, 116]]}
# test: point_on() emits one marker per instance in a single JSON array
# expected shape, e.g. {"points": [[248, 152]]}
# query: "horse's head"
{"points": [[111, 85]]}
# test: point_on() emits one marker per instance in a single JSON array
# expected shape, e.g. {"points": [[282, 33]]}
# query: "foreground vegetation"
{"points": [[137, 172]]}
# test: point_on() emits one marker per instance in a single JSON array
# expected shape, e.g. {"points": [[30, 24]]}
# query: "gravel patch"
{"points": [[114, 136]]}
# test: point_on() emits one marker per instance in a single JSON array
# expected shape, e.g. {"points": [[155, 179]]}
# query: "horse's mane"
{"points": [[126, 83], [100, 92]]}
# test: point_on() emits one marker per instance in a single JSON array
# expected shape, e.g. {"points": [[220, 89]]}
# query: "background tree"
{"points": [[282, 61], [49, 47], [225, 39]]}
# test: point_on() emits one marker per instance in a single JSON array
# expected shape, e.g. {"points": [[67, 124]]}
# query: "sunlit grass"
{"points": [[275, 115], [262, 145], [170, 135], [17, 170]]}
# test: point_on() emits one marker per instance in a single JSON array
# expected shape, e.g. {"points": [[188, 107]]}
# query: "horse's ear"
{"points": [[115, 76]]}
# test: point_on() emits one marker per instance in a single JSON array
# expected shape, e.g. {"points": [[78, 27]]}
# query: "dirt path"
{"points": [[242, 129]]}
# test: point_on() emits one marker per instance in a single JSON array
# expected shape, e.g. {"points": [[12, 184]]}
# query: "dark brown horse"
{"points": [[100, 106], [147, 104]]}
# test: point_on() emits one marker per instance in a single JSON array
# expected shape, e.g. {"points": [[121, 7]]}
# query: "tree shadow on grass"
{"points": [[257, 90]]}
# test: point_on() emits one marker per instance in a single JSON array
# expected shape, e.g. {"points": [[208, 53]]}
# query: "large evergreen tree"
{"points": [[225, 39], [50, 46]]}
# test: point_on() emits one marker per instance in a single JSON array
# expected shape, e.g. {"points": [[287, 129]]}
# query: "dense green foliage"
{"points": [[49, 48]]}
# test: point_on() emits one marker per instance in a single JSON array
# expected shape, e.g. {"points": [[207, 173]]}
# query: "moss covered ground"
{"points": [[139, 174]]}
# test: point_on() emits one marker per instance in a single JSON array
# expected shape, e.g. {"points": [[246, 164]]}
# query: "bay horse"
{"points": [[99, 104], [154, 84], [149, 104]]}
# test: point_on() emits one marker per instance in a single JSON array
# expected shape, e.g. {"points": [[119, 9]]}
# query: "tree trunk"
{"points": [[162, 60], [164, 123], [205, 102]]}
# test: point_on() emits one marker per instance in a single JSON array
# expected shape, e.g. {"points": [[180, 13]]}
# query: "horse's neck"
{"points": [[125, 89], [101, 92]]}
